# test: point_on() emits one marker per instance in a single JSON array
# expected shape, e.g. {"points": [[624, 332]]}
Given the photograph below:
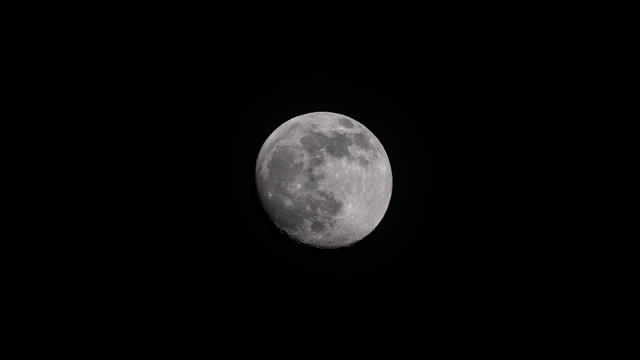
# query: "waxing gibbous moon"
{"points": [[324, 179]]}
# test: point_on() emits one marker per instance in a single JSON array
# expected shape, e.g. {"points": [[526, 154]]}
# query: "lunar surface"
{"points": [[324, 179]]}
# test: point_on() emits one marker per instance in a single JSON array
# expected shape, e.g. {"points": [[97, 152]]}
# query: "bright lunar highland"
{"points": [[324, 179]]}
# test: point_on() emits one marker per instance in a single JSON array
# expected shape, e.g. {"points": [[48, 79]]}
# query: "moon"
{"points": [[324, 179]]}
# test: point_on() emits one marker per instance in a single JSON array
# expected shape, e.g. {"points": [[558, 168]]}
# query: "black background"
{"points": [[413, 94], [208, 250]]}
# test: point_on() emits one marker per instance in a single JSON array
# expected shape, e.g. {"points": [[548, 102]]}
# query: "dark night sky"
{"points": [[212, 250], [412, 96]]}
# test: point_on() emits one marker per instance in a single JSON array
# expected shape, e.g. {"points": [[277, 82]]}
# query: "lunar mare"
{"points": [[324, 179]]}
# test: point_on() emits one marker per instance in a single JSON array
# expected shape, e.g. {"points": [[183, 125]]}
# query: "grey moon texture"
{"points": [[324, 179]]}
